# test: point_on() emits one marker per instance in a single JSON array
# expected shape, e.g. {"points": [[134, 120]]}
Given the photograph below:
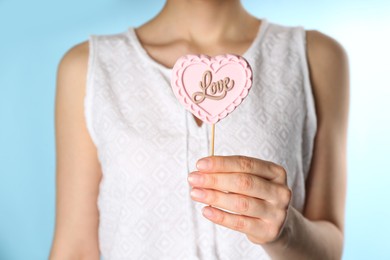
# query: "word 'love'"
{"points": [[212, 90]]}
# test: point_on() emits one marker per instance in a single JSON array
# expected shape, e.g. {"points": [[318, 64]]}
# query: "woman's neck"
{"points": [[210, 27], [203, 22]]}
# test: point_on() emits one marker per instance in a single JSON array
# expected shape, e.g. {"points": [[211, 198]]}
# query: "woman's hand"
{"points": [[255, 190]]}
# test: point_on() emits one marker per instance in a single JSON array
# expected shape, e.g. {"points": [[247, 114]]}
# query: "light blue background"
{"points": [[35, 34]]}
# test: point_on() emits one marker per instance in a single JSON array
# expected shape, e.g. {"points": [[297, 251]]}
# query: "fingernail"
{"points": [[203, 164], [194, 178], [197, 193], [207, 212]]}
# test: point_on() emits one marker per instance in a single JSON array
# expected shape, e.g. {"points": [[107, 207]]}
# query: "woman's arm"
{"points": [[259, 191], [78, 170]]}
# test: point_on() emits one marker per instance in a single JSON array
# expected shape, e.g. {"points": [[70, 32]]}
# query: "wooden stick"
{"points": [[212, 139]]}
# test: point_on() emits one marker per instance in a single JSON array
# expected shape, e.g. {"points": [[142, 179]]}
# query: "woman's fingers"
{"points": [[242, 183], [240, 204], [243, 164], [252, 227], [253, 191]]}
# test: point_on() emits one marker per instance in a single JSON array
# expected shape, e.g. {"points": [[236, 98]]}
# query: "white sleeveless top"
{"points": [[148, 143]]}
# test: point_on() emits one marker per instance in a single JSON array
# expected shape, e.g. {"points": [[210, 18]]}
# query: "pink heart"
{"points": [[211, 87]]}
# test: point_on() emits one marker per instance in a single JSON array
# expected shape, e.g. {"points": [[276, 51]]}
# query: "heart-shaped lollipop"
{"points": [[211, 87]]}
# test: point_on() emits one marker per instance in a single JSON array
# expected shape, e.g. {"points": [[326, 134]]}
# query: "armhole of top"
{"points": [[310, 127], [89, 89]]}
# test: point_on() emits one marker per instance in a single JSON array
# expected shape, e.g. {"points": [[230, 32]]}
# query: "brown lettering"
{"points": [[212, 90]]}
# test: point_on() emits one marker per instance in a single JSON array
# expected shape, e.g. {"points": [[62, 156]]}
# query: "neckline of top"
{"points": [[134, 38]]}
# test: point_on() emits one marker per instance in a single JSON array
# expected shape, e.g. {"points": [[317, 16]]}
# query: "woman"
{"points": [[125, 146]]}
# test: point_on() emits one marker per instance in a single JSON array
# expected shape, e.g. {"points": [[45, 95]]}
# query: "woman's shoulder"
{"points": [[320, 44], [315, 39], [81, 50], [326, 58], [324, 53], [328, 64], [72, 71], [75, 57], [72, 78]]}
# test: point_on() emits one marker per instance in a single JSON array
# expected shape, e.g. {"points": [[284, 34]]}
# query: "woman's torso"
{"points": [[147, 144]]}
